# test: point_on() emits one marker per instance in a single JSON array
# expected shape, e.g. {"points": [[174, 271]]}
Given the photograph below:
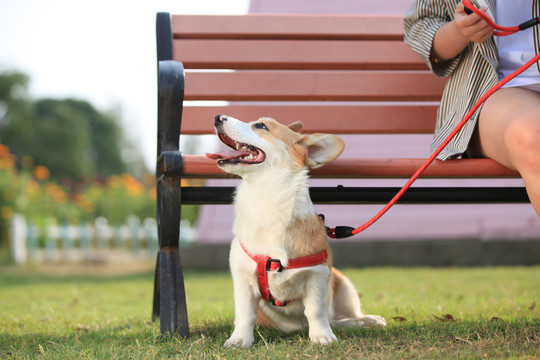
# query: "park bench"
{"points": [[341, 74]]}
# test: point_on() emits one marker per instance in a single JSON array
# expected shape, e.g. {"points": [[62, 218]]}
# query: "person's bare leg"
{"points": [[509, 133]]}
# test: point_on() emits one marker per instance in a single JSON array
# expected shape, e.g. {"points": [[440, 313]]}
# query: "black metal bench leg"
{"points": [[172, 295], [173, 310], [155, 305], [169, 292]]}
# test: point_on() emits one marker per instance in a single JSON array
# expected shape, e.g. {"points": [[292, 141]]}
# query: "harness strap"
{"points": [[265, 264]]}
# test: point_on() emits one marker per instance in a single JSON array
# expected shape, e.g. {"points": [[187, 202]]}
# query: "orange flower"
{"points": [[7, 161], [132, 185], [41, 172], [54, 191], [85, 204], [4, 150]]}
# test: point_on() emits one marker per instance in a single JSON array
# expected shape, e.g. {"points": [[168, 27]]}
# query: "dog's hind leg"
{"points": [[347, 311]]}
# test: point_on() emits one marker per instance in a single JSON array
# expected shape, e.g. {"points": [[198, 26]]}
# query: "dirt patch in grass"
{"points": [[116, 266]]}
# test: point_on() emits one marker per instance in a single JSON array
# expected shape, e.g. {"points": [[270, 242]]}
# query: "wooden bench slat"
{"points": [[296, 54], [398, 167], [250, 85], [356, 118], [288, 26], [198, 166]]}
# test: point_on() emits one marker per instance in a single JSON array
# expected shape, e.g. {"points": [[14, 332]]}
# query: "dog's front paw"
{"points": [[239, 341], [323, 339]]}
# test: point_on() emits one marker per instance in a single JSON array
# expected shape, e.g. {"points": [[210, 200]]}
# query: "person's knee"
{"points": [[522, 139]]}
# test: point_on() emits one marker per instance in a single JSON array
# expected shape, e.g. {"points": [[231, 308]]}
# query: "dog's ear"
{"points": [[296, 126], [321, 149]]}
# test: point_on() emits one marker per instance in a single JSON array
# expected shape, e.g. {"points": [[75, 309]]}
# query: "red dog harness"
{"points": [[265, 264]]}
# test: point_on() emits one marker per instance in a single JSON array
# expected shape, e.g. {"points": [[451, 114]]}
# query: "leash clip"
{"points": [[529, 23], [340, 232]]}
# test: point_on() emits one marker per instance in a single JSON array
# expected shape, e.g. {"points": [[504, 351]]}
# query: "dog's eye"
{"points": [[261, 125]]}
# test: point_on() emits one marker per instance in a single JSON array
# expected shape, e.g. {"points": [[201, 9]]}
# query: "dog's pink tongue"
{"points": [[226, 154], [213, 156]]}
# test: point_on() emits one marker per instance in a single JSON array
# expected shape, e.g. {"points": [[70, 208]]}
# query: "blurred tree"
{"points": [[13, 97], [13, 86], [56, 135], [69, 137]]}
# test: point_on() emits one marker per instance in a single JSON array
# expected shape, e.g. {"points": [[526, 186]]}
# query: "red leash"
{"points": [[345, 231], [499, 30]]}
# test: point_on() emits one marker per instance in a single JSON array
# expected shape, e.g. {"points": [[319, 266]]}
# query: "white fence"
{"points": [[95, 241]]}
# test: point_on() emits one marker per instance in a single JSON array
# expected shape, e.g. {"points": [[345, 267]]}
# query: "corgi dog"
{"points": [[280, 258]]}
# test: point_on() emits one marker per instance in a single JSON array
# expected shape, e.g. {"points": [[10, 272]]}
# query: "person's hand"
{"points": [[472, 26]]}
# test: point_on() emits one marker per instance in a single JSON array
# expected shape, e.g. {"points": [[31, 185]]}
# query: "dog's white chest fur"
{"points": [[267, 206]]}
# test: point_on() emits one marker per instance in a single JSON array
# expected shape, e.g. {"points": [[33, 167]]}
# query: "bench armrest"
{"points": [[170, 104]]}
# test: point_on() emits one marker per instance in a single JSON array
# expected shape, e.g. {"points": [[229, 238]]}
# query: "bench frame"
{"points": [[172, 165]]}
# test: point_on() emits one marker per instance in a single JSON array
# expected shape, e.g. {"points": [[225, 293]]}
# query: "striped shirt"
{"points": [[470, 74]]}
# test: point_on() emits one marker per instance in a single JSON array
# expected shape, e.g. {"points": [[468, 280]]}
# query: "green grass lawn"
{"points": [[432, 313]]}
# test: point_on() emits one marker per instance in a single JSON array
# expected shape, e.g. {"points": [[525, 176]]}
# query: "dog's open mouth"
{"points": [[240, 154]]}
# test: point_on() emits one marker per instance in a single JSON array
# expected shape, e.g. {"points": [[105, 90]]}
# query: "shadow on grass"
{"points": [[428, 332]]}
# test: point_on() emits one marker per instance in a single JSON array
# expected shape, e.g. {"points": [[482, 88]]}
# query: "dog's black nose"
{"points": [[219, 119]]}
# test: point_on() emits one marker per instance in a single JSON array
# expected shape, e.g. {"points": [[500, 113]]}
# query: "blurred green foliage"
{"points": [[63, 159]]}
